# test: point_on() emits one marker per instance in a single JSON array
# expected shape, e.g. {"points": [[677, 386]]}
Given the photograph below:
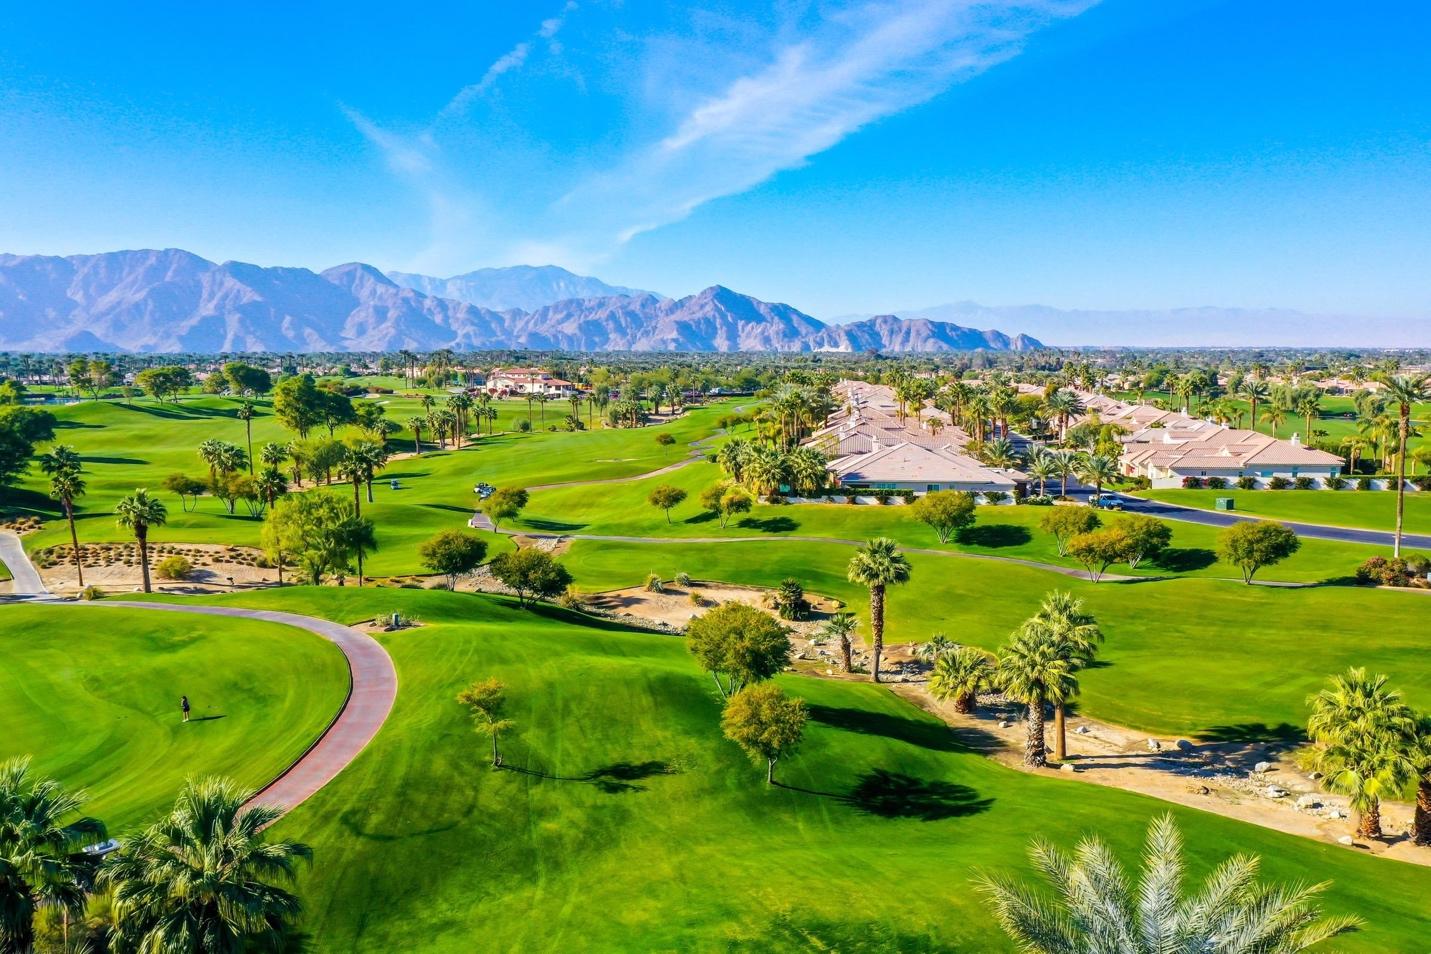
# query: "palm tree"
{"points": [[1035, 669], [841, 628], [138, 512], [41, 862], [1255, 392], [416, 424], [351, 467], [245, 413], [1098, 469], [1043, 467], [959, 675], [359, 537], [878, 565], [1061, 618], [1065, 463], [1404, 392], [272, 454], [1097, 907], [1361, 731], [210, 451], [1309, 405], [66, 485], [202, 879], [1276, 415], [999, 452], [1421, 755]]}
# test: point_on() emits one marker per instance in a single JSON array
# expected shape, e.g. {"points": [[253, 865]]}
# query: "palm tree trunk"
{"points": [[248, 431], [965, 704], [74, 540], [1369, 821], [845, 653], [1421, 821], [1060, 738], [143, 539], [1401, 477], [360, 566], [876, 628], [1035, 750]]}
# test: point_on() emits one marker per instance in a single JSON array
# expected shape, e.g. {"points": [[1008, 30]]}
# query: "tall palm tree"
{"points": [[1404, 392], [841, 628], [272, 454], [1096, 907], [352, 468], [1066, 463], [1043, 467], [245, 413], [41, 862], [999, 452], [1097, 469], [416, 424], [1309, 405], [210, 452], [67, 485], [878, 565], [1062, 619], [1255, 392], [1035, 669], [1361, 731], [204, 879], [1421, 756], [137, 512], [959, 676]]}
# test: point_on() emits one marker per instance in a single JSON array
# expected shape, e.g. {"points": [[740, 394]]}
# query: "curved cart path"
{"points": [[25, 578], [372, 689]]}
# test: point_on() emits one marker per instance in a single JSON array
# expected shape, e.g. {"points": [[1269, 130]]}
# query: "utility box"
{"points": [[1224, 503]]}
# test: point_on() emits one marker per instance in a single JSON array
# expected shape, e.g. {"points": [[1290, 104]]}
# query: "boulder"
{"points": [[1275, 791], [1082, 730], [1262, 767], [1068, 767], [1346, 840], [1306, 802]]}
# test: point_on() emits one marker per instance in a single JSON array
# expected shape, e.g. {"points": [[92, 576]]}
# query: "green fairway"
{"points": [[623, 510], [92, 693], [627, 822], [1370, 510], [1182, 657]]}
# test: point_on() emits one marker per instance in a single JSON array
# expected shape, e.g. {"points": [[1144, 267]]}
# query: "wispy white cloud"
{"points": [[404, 156], [513, 59]]}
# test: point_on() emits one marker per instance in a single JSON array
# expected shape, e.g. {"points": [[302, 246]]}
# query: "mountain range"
{"points": [[173, 300]]}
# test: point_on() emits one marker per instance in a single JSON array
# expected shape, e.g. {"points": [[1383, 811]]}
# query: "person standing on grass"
{"points": [[184, 707]]}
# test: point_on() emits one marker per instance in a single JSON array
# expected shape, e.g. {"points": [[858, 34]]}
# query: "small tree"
{"points": [[505, 504], [766, 723], [452, 553], [739, 642], [485, 700], [1254, 544], [1097, 550], [666, 496], [946, 511], [665, 442], [1065, 523], [790, 601], [959, 676], [188, 488], [733, 501], [841, 628], [531, 573], [1144, 537]]}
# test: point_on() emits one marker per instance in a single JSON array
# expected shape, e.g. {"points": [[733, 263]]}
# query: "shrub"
{"points": [[1217, 483], [906, 495], [995, 496], [1421, 483], [1383, 571], [653, 584], [1192, 483], [1038, 500], [570, 599], [1278, 483], [1304, 483], [849, 498], [1140, 483], [790, 601], [1246, 482], [1363, 483], [683, 579], [696, 599], [91, 592], [174, 568], [1336, 483], [524, 425], [883, 496]]}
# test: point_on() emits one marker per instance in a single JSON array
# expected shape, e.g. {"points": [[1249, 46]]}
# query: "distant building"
{"points": [[523, 381]]}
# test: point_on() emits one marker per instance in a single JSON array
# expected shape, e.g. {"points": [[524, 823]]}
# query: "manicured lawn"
{"points": [[623, 510], [4, 572], [92, 693], [1371, 510], [628, 823], [1182, 657]]}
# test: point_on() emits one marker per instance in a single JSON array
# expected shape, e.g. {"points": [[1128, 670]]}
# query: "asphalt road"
{"points": [[1312, 531]]}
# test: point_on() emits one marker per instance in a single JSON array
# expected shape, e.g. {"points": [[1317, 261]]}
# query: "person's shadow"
{"points": [[207, 718]]}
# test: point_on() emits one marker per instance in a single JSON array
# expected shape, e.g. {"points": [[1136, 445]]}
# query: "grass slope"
{"points": [[630, 824], [1368, 510], [93, 695], [1183, 656]]}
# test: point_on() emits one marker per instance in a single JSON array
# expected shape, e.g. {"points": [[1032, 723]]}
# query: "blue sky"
{"points": [[840, 156]]}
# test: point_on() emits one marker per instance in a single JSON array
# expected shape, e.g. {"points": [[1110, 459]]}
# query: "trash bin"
{"points": [[1224, 503]]}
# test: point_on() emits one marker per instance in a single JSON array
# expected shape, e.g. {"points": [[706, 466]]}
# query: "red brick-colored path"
{"points": [[373, 687]]}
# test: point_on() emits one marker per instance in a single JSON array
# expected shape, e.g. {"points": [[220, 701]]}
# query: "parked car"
{"points": [[484, 490], [1106, 502]]}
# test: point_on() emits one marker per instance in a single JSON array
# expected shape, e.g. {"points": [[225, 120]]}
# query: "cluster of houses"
{"points": [[874, 444], [519, 382]]}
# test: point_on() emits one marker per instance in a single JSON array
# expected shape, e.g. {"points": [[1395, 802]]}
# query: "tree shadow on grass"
{"points": [[705, 516], [1185, 560], [1284, 733], [886, 794], [994, 536], [68, 425], [614, 779], [112, 460], [448, 507], [769, 524], [925, 734], [553, 526]]}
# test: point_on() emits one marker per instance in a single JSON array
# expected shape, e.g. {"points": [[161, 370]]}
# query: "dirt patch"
{"points": [[115, 567], [675, 605]]}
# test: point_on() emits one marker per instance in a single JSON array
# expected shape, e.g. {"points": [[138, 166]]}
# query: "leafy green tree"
{"points": [[165, 383], [946, 511], [1364, 741], [335, 410], [137, 513], [1252, 545], [453, 553], [314, 531], [531, 573], [67, 485], [740, 643], [41, 862], [186, 487], [1097, 550], [877, 566], [247, 379], [205, 879], [841, 628], [766, 723], [735, 500], [1145, 538], [959, 676], [485, 700], [298, 404], [505, 504], [21, 428], [1065, 523], [1096, 907], [666, 496]]}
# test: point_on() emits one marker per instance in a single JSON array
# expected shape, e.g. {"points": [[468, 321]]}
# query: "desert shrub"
{"points": [[1421, 483], [1246, 482], [570, 599], [1419, 564], [906, 495], [174, 568], [1336, 483], [1278, 483], [1217, 483], [696, 599], [790, 601], [777, 499], [1140, 483], [1192, 483], [1363, 483], [1304, 483], [524, 425], [653, 584], [683, 579], [91, 592], [849, 498]]}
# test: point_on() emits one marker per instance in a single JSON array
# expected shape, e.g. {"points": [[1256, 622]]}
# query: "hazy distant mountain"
{"points": [[1182, 327], [173, 300], [525, 287]]}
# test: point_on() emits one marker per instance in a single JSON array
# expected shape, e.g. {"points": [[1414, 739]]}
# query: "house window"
{"points": [[931, 487]]}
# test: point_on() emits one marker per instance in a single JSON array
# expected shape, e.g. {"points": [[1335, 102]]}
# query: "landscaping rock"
{"points": [[1346, 840], [1275, 791], [1262, 767], [1154, 745], [1068, 767], [1307, 802], [1199, 789], [1004, 725], [1082, 730]]}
